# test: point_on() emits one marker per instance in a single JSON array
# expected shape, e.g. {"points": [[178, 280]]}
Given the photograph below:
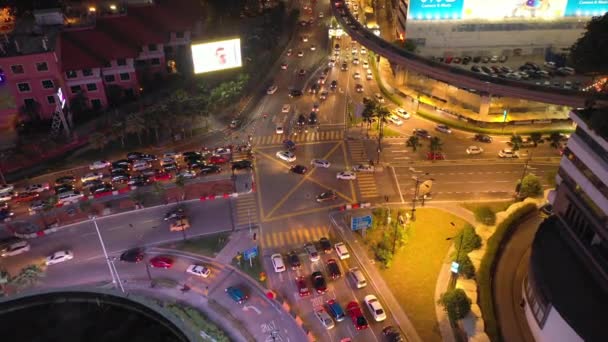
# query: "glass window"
{"points": [[155, 61], [71, 74], [29, 102], [125, 76], [42, 66], [87, 72], [50, 99], [179, 35], [91, 87], [107, 64], [17, 69], [152, 47], [75, 89], [23, 87], [109, 78], [121, 61], [47, 84]]}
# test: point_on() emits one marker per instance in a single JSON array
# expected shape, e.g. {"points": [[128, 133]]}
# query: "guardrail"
{"points": [[456, 76]]}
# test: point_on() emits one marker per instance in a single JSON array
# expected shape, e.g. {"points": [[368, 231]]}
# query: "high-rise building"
{"points": [[566, 289]]}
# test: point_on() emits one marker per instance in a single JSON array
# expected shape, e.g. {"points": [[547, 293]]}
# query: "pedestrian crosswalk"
{"points": [[293, 237], [246, 210], [277, 139], [366, 181]]}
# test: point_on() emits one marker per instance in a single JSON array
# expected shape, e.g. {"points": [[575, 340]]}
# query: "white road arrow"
{"points": [[247, 307]]}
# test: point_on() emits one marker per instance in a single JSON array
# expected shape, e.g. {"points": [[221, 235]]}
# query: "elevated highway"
{"points": [[464, 79]]}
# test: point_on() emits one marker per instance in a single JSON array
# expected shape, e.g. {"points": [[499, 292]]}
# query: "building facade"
{"points": [[566, 289]]}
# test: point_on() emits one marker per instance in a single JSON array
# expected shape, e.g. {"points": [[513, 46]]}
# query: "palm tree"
{"points": [[556, 140], [47, 206], [435, 144], [369, 111], [154, 117], [118, 132], [98, 140], [180, 181], [516, 142], [135, 123], [536, 137], [138, 197], [413, 142]]}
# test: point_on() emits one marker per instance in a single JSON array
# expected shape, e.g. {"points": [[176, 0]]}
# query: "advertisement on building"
{"points": [[220, 55], [484, 9]]}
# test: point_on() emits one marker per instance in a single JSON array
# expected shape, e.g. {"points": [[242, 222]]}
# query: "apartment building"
{"points": [[566, 289]]}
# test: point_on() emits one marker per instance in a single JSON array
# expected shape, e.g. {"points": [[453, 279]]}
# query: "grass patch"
{"points": [[486, 269], [253, 271], [197, 322], [413, 275], [208, 245]]}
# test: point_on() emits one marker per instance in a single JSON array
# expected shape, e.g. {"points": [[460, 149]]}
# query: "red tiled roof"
{"points": [[173, 16], [130, 29], [72, 57]]}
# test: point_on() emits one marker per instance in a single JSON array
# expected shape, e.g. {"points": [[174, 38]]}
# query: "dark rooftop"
{"points": [[567, 283]]}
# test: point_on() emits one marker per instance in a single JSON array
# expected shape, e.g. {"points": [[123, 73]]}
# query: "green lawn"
{"points": [[208, 245], [413, 274], [253, 271], [494, 206]]}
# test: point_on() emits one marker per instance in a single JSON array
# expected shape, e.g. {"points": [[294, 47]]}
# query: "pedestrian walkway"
{"points": [[276, 139], [366, 181], [293, 237], [246, 211]]}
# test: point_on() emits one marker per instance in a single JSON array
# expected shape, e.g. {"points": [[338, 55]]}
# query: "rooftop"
{"points": [[28, 38], [596, 119], [572, 290]]}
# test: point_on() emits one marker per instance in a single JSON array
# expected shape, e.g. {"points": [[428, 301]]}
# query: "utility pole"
{"points": [[105, 254], [455, 274], [416, 189], [380, 136], [523, 174]]}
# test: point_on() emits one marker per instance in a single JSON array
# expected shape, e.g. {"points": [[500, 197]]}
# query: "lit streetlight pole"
{"points": [[455, 265], [523, 174], [105, 254]]}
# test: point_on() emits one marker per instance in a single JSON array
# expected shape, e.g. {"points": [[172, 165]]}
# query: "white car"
{"points": [[198, 270], [6, 188], [16, 248], [363, 168], [279, 129], [313, 47], [171, 155], [277, 263], [357, 75], [400, 112], [346, 175], [186, 174], [320, 163], [321, 15], [272, 89], [305, 39], [508, 153], [395, 120], [369, 75], [93, 176], [379, 97], [341, 250], [474, 150], [356, 61], [324, 318], [375, 308], [100, 164], [286, 156], [37, 187], [58, 257], [363, 51], [286, 108], [5, 197], [300, 53], [365, 64], [443, 128]]}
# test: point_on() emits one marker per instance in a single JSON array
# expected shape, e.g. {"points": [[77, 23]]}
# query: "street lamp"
{"points": [[417, 181], [455, 267], [523, 174], [110, 263]]}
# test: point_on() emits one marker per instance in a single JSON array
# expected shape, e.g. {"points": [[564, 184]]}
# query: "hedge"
{"points": [[487, 266]]}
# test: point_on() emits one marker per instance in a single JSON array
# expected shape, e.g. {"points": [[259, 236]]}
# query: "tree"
{"points": [[536, 137], [409, 45], [590, 52], [435, 144], [516, 142], [485, 215], [27, 276], [154, 117], [530, 187], [556, 140], [456, 303], [135, 123], [79, 104], [115, 94], [180, 181], [369, 111], [413, 142], [30, 111], [4, 279], [98, 140], [137, 196]]}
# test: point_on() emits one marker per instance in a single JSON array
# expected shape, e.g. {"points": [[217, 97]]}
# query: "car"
{"points": [[191, 155], [171, 155], [356, 315], [301, 119], [242, 164], [26, 197], [138, 180], [344, 66], [161, 261], [218, 160], [311, 250], [175, 213], [508, 153], [294, 260], [323, 95], [99, 164], [313, 47], [421, 133], [299, 169], [6, 214], [363, 168], [443, 128], [7, 196], [168, 167], [287, 156], [236, 294], [333, 84], [121, 164], [289, 52], [435, 156], [198, 270], [358, 88], [134, 255], [6, 188], [482, 138], [295, 93], [15, 249], [69, 197], [329, 195], [346, 175], [186, 174], [101, 188], [286, 108], [341, 250], [161, 176], [195, 163], [300, 53], [394, 119], [284, 66], [65, 180], [302, 72], [40, 187], [357, 277], [58, 257], [356, 61], [379, 97], [400, 112], [320, 163], [318, 282], [474, 150], [91, 177], [277, 263], [304, 39], [303, 289], [333, 269], [324, 318], [92, 184], [272, 89], [368, 75], [279, 129], [375, 308], [392, 334], [357, 75], [119, 178], [365, 63]]}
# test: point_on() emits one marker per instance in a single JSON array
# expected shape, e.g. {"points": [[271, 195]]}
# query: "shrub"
{"points": [[486, 269], [466, 268], [530, 187], [485, 215], [456, 303], [470, 241]]}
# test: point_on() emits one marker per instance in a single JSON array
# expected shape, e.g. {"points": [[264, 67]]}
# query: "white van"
{"points": [[357, 277], [69, 197]]}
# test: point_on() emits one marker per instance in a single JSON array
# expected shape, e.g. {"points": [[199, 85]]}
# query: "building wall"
{"points": [[401, 23], [88, 82], [554, 330], [123, 76]]}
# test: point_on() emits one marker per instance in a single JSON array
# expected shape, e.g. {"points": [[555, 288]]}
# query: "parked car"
{"points": [[333, 269], [198, 270], [58, 257], [354, 311], [375, 308], [161, 262], [132, 255], [318, 282], [236, 294], [303, 289], [324, 318]]}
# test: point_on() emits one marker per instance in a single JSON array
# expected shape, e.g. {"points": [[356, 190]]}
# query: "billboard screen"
{"points": [[484, 9], [220, 55]]}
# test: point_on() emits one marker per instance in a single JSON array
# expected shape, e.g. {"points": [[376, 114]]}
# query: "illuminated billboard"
{"points": [[484, 9], [225, 54]]}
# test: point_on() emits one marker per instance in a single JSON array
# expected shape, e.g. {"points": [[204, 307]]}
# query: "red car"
{"points": [[160, 176], [26, 197], [303, 289], [356, 315], [218, 160], [435, 156], [161, 262]]}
